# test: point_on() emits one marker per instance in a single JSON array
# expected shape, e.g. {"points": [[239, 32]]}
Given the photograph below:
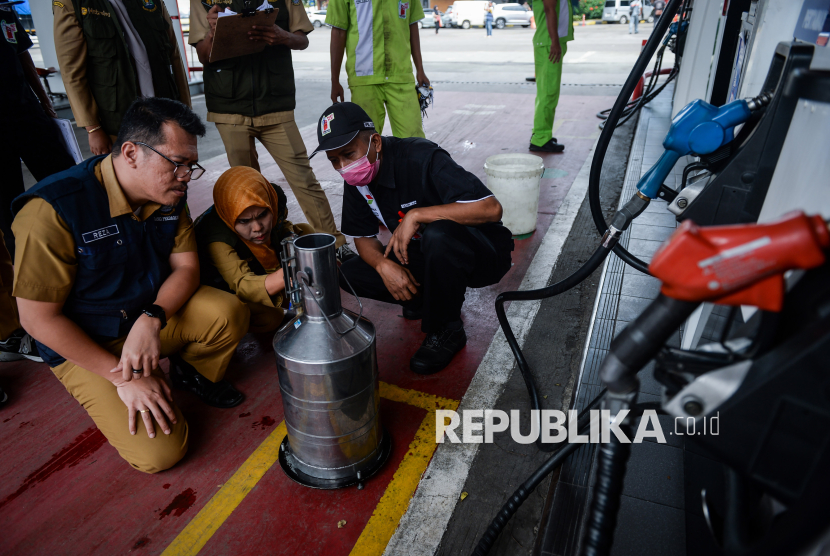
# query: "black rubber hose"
{"points": [[510, 507], [640, 66], [562, 286], [605, 503]]}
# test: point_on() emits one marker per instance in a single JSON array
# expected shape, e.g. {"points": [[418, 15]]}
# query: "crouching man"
{"points": [[107, 282], [446, 233]]}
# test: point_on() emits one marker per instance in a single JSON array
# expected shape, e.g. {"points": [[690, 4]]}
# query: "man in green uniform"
{"points": [[379, 36], [554, 28]]}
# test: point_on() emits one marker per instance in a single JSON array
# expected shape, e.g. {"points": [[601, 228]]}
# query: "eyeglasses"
{"points": [[194, 170]]}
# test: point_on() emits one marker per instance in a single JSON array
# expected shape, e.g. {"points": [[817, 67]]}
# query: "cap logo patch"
{"points": [[325, 124], [368, 124]]}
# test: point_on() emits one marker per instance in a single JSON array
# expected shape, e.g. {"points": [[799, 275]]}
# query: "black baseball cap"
{"points": [[339, 124]]}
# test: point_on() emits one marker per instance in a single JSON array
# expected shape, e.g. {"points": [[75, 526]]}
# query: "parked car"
{"points": [[429, 20], [449, 19], [511, 14], [619, 11], [318, 18]]}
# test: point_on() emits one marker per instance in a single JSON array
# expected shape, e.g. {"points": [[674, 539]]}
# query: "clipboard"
{"points": [[231, 36]]}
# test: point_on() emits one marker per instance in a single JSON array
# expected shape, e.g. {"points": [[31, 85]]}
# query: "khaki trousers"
{"points": [[285, 144], [205, 332], [9, 319], [265, 319]]}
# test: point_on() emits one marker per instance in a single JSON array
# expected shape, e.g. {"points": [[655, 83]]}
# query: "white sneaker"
{"points": [[20, 345]]}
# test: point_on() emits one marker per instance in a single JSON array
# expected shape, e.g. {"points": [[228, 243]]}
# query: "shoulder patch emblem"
{"points": [[58, 4], [84, 11], [149, 5], [295, 2], [9, 31]]}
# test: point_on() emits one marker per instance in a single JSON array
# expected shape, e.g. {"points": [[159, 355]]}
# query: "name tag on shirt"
{"points": [[95, 235]]}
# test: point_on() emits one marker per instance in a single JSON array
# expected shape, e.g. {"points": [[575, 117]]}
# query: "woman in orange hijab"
{"points": [[239, 243]]}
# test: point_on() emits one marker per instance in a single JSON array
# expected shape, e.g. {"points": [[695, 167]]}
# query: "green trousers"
{"points": [[399, 100], [548, 83]]}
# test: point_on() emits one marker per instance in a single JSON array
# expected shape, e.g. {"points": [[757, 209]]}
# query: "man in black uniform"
{"points": [[446, 233], [29, 131]]}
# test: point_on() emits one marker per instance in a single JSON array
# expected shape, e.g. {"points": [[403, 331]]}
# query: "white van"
{"points": [[620, 11], [468, 13]]}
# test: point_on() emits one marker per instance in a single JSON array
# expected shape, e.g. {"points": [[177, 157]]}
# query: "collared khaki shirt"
{"points": [[70, 46], [297, 21], [45, 261]]}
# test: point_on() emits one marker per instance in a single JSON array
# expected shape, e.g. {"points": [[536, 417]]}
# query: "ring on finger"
{"points": [[143, 410], [138, 371]]}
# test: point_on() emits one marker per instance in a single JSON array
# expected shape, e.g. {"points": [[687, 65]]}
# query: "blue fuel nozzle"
{"points": [[698, 129]]}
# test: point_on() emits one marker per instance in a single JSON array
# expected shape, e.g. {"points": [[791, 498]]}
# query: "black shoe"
{"points": [[437, 351], [19, 346], [217, 394], [550, 147], [344, 253], [531, 79]]}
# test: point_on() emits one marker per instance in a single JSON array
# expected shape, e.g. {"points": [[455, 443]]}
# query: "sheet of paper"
{"points": [[69, 139]]}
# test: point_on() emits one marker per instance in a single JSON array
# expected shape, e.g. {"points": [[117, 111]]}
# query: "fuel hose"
{"points": [[660, 28], [608, 244]]}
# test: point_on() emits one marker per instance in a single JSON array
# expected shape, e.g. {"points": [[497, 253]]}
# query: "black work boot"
{"points": [[217, 394], [438, 349], [550, 147]]}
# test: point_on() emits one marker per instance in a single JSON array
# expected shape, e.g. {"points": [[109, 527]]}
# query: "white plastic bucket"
{"points": [[514, 180]]}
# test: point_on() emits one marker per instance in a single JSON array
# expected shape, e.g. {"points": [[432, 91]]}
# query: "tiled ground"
{"points": [[652, 517]]}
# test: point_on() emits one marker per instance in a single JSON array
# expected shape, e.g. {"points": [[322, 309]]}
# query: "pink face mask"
{"points": [[361, 172]]}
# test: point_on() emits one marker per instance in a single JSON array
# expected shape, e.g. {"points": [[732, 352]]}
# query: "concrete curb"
{"points": [[421, 528]]}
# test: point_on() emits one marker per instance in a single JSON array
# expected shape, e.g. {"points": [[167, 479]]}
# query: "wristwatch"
{"points": [[155, 312]]}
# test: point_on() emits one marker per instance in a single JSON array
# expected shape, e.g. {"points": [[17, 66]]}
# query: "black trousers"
{"points": [[33, 136], [447, 260]]}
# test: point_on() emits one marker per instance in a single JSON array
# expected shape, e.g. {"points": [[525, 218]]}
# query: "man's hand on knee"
{"points": [[398, 280], [150, 398], [142, 349]]}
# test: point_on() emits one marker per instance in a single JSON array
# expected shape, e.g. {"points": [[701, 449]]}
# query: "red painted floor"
{"points": [[66, 491]]}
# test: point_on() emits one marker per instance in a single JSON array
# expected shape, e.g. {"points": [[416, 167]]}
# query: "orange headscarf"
{"points": [[239, 189]]}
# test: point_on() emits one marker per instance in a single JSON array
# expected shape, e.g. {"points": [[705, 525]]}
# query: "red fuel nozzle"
{"points": [[739, 265]]}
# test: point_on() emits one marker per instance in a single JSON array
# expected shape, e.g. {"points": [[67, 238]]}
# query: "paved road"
{"points": [[597, 63]]}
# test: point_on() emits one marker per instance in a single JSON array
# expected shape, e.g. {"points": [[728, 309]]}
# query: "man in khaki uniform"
{"points": [[111, 52], [107, 282], [253, 97]]}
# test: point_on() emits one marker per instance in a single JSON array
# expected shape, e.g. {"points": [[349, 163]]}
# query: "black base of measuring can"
{"points": [[286, 459]]}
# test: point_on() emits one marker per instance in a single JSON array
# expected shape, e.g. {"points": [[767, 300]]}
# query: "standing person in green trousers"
{"points": [[554, 28], [381, 42]]}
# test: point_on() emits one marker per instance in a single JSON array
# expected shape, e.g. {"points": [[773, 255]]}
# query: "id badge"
{"points": [[402, 8]]}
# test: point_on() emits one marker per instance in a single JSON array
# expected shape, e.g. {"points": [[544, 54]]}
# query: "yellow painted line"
{"points": [[202, 527], [384, 519], [416, 398], [396, 498]]}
